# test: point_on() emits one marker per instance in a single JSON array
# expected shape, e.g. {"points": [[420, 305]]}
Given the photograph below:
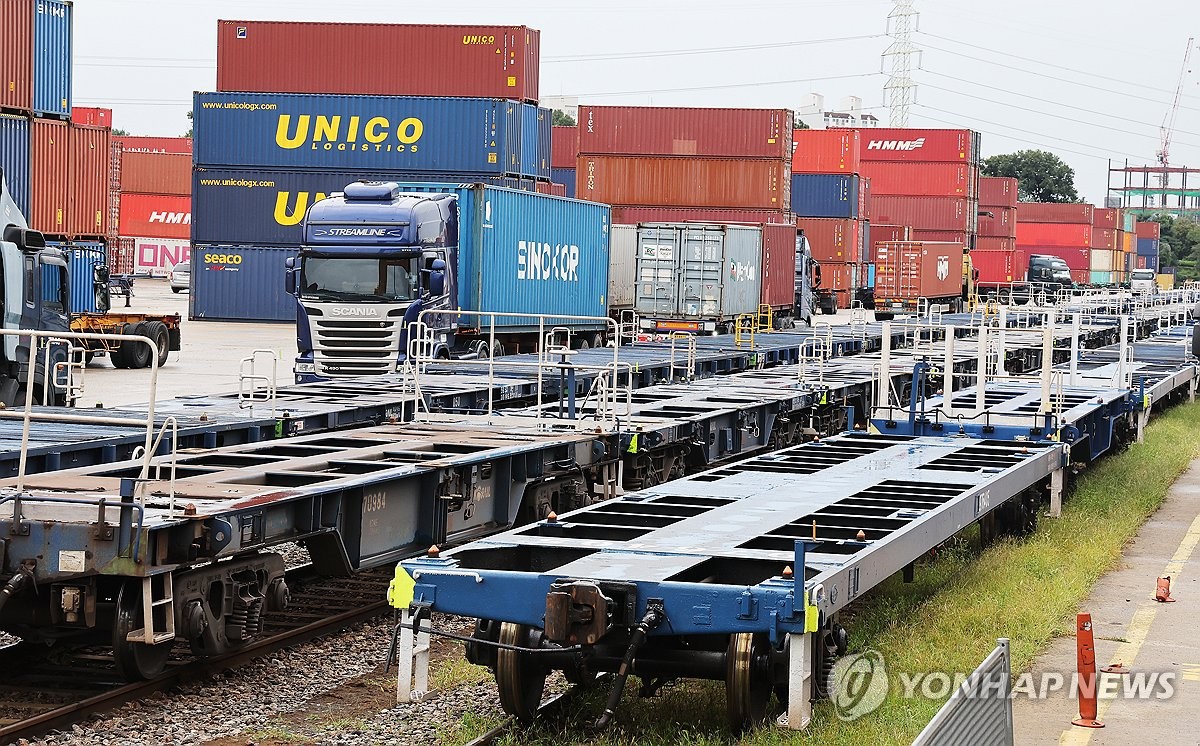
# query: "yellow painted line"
{"points": [[1138, 630]]}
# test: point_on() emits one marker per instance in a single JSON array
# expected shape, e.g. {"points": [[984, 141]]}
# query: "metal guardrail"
{"points": [[980, 710]]}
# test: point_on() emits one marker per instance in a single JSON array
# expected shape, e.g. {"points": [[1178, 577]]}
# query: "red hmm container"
{"points": [[995, 243], [564, 147], [89, 163], [1053, 234], [832, 151], [1076, 257], [997, 266], [919, 179], [156, 173], [1148, 230], [833, 239], [926, 213], [1107, 217], [91, 116], [926, 146], [917, 269], [634, 214], [155, 144], [997, 191], [156, 216], [1054, 212], [779, 266], [16, 55], [50, 157], [1003, 221], [684, 182], [378, 59], [1105, 238], [708, 133]]}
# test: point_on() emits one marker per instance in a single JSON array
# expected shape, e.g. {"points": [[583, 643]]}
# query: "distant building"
{"points": [[848, 114], [568, 104]]}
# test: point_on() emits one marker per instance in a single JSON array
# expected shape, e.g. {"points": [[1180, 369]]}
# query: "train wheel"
{"points": [[135, 660], [748, 680], [519, 677]]}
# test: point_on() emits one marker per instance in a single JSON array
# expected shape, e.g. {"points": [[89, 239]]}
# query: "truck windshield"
{"points": [[381, 280], [1143, 274]]}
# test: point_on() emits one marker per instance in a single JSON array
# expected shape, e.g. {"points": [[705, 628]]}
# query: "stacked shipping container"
{"points": [[155, 188], [1147, 246], [1058, 229], [995, 256]]}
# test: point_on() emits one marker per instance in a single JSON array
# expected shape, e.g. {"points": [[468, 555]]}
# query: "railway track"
{"points": [[47, 690]]}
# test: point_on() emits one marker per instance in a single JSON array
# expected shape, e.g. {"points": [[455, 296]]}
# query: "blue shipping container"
{"points": [[825, 195], [241, 283], [540, 254], [1102, 278], [566, 177], [1147, 247], [400, 134], [14, 159], [81, 258], [871, 275], [52, 58], [264, 208]]}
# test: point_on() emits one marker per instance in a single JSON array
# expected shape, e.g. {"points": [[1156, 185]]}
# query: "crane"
{"points": [[1168, 125]]}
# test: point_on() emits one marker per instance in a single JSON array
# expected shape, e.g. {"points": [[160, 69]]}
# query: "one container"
{"points": [[91, 116], [51, 155], [1054, 234], [130, 144], [837, 276], [998, 191], [778, 266], [120, 256], [929, 213], [995, 243], [1076, 258], [14, 158], [996, 266], [1104, 238], [826, 195], [1054, 212], [684, 182], [155, 257], [16, 55], [564, 147], [833, 240], [52, 23], [1129, 222], [864, 198], [401, 133], [914, 269], [264, 207], [698, 273], [1107, 217], [1001, 222], [919, 179], [87, 202], [1148, 230], [241, 283], [832, 151], [885, 232], [1102, 278], [566, 177], [633, 214], [156, 215], [927, 146], [622, 267], [1147, 246], [1105, 260], [379, 59], [156, 173], [960, 237], [694, 132]]}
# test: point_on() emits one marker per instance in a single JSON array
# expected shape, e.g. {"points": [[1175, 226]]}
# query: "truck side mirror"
{"points": [[100, 277], [437, 278], [290, 275]]}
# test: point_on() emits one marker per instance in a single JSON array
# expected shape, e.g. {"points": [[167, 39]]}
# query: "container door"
{"points": [[700, 290], [657, 271]]}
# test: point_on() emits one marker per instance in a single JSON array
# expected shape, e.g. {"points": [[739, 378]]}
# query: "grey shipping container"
{"points": [[697, 277], [622, 267], [241, 283]]}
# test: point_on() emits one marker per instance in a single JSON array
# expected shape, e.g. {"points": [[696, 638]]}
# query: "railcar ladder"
{"points": [[157, 593]]}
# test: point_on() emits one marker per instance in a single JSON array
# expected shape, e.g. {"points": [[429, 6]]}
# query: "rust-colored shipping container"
{"points": [[919, 179], [1081, 276], [707, 133], [378, 59], [51, 157], [16, 55], [1054, 212], [926, 213], [961, 237], [91, 116], [156, 173], [1104, 238], [1076, 257], [833, 239], [907, 270], [181, 145], [89, 164], [884, 232], [684, 182], [1107, 217], [558, 190], [779, 266], [832, 151], [1053, 234], [634, 214], [838, 276], [156, 215], [564, 147], [1148, 230], [998, 191], [864, 198], [1002, 221], [923, 145], [997, 266], [994, 243]]}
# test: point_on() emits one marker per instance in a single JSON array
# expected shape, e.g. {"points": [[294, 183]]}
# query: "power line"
{"points": [[703, 50], [724, 86]]}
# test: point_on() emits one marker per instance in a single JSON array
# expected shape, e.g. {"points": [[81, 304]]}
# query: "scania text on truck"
{"points": [[379, 254]]}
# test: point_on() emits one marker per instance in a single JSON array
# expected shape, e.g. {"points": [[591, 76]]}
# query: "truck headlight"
{"points": [[306, 367]]}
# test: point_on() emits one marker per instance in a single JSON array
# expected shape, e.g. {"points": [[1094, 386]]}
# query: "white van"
{"points": [[1142, 281]]}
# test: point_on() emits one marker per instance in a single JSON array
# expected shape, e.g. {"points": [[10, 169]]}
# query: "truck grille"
{"points": [[355, 348]]}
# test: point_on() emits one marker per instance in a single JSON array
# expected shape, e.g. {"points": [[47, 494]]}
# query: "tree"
{"points": [[562, 119], [189, 130], [1179, 244], [1041, 175], [120, 132], [799, 124]]}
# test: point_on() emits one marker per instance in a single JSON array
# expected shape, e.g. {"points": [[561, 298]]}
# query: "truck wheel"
{"points": [[139, 354], [119, 355], [157, 331]]}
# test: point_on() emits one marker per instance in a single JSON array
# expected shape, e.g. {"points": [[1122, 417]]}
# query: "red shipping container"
{"points": [[883, 232], [1081, 276], [919, 179], [926, 213], [16, 54], [91, 116], [542, 187], [997, 266], [779, 266], [832, 151], [997, 191], [1148, 230], [833, 239], [51, 157], [1104, 238], [683, 182], [916, 269], [926, 146], [156, 173], [864, 198], [1053, 234], [179, 145], [1054, 212], [1003, 221], [564, 147], [708, 133], [378, 59], [89, 164], [837, 276], [995, 243], [1076, 257], [634, 214], [558, 190], [1107, 217], [961, 237], [156, 216]]}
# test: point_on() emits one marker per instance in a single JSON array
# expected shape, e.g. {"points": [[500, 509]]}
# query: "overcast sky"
{"points": [[1087, 79]]}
